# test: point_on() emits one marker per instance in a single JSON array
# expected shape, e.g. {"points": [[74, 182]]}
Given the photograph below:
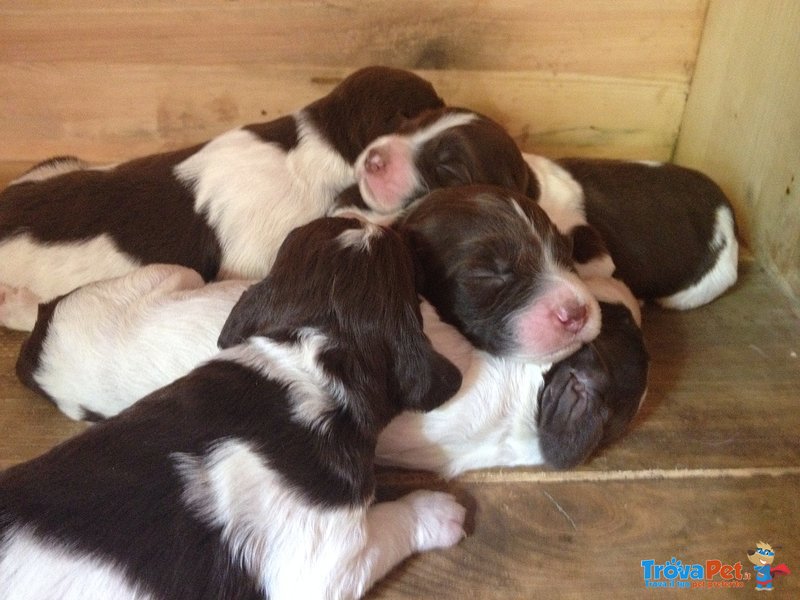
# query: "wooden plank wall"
{"points": [[111, 80], [742, 124]]}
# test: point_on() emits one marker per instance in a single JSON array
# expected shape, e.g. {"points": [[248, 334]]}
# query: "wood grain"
{"points": [[136, 110], [114, 81], [587, 540], [622, 38], [742, 124]]}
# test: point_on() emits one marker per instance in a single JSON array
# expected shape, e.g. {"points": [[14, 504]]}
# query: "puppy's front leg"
{"points": [[417, 522]]}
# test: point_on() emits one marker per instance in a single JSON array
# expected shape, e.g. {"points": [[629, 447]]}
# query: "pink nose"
{"points": [[376, 161], [572, 316]]}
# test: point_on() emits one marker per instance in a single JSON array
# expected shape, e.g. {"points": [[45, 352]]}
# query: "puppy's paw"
{"points": [[439, 519], [18, 308]]}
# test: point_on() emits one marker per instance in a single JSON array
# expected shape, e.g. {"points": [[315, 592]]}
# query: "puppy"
{"points": [[221, 208], [668, 232], [98, 349], [560, 413], [511, 413], [252, 476]]}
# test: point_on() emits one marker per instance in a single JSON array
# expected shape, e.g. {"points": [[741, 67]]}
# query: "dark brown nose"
{"points": [[572, 316]]}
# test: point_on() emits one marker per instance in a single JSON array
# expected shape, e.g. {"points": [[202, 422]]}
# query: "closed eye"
{"points": [[489, 276], [453, 173]]}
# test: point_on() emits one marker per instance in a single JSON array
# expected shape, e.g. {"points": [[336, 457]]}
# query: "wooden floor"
{"points": [[710, 467]]}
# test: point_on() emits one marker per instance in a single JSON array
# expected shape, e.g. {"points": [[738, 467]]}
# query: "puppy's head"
{"points": [[353, 282], [494, 266], [440, 148], [369, 103]]}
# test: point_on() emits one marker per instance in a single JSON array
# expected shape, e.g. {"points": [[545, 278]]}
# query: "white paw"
{"points": [[18, 308], [439, 519]]}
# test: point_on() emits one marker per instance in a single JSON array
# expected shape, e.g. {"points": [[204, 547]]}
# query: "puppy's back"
{"points": [[100, 348]]}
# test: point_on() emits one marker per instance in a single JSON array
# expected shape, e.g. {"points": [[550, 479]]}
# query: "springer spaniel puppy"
{"points": [[165, 321], [252, 476], [221, 208], [669, 230], [492, 264], [103, 346]]}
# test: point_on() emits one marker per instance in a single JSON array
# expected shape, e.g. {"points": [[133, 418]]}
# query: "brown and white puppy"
{"points": [[100, 348], [252, 476], [485, 255], [669, 230], [221, 208]]}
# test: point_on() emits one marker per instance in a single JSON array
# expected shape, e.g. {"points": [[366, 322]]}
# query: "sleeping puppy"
{"points": [[162, 322], [512, 413], [221, 208], [483, 254], [668, 230], [105, 345], [252, 476]]}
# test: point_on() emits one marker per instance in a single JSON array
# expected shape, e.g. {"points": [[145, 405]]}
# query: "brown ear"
{"points": [[532, 190], [426, 378], [349, 198], [587, 244], [248, 315]]}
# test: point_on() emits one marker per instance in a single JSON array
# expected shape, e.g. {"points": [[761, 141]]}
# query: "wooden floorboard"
{"points": [[710, 467]]}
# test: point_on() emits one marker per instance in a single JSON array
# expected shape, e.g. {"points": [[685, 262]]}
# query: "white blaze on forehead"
{"points": [[421, 136], [359, 238], [548, 250], [526, 218], [440, 125]]}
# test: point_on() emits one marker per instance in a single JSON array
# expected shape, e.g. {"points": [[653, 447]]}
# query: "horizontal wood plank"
{"points": [[624, 38], [116, 111], [587, 540]]}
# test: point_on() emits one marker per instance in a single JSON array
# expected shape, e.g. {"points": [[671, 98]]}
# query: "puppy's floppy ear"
{"points": [[248, 315], [572, 410], [587, 244], [349, 198], [426, 378], [413, 240], [532, 189]]}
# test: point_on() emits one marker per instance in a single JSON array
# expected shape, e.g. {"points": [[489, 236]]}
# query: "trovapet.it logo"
{"points": [[709, 574], [715, 573]]}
